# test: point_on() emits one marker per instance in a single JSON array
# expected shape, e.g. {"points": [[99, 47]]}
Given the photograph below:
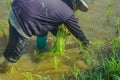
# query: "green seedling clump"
{"points": [[59, 45]]}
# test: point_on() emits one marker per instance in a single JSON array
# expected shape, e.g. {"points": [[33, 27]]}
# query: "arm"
{"points": [[74, 28]]}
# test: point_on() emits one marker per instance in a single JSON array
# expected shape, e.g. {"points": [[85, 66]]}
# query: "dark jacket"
{"points": [[37, 17]]}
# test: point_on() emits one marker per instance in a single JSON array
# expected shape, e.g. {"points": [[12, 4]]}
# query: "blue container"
{"points": [[41, 42]]}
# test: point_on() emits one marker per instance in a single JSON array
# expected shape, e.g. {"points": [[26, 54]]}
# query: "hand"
{"points": [[86, 42]]}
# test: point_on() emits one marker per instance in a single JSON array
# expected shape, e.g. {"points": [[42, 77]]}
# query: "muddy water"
{"points": [[93, 23]]}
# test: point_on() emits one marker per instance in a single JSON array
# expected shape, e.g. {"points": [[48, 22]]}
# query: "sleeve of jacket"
{"points": [[74, 28]]}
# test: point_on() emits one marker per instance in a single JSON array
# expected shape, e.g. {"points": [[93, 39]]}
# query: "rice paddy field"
{"points": [[72, 61]]}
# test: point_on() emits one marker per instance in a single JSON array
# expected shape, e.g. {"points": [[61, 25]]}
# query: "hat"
{"points": [[80, 4]]}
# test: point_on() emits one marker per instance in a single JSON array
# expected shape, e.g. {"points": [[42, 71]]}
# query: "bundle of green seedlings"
{"points": [[59, 45]]}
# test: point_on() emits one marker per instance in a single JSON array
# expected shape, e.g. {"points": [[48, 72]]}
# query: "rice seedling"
{"points": [[111, 67], [109, 10], [76, 71], [116, 77], [2, 31], [115, 45], [63, 77], [9, 3], [59, 45], [38, 76], [90, 52], [117, 24], [10, 77], [89, 75], [28, 75], [55, 62], [36, 54], [108, 70]]}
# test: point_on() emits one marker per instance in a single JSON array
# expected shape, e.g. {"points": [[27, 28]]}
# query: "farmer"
{"points": [[37, 17]]}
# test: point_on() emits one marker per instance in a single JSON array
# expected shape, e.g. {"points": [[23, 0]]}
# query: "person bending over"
{"points": [[37, 17]]}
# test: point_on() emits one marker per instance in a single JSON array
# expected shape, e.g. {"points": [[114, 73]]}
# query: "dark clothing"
{"points": [[40, 16], [16, 45]]}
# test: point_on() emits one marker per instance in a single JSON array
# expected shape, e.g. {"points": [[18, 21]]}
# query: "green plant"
{"points": [[28, 75], [36, 54], [116, 77], [109, 10], [76, 71], [55, 62], [63, 77], [10, 76], [117, 24], [59, 45], [9, 3], [39, 76], [2, 31], [111, 67], [115, 45]]}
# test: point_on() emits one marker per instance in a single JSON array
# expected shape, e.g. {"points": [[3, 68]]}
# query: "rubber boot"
{"points": [[41, 42]]}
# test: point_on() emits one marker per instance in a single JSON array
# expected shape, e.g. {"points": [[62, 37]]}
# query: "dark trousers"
{"points": [[16, 45]]}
